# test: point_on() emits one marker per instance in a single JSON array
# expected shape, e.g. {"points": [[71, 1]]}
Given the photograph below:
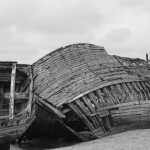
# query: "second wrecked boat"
{"points": [[82, 90], [16, 101]]}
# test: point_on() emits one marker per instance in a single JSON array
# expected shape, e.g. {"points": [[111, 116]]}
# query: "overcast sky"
{"points": [[31, 28]]}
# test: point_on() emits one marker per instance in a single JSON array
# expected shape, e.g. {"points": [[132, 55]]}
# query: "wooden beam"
{"points": [[82, 116], [25, 84], [146, 57], [115, 82], [12, 90], [30, 100], [50, 107], [16, 96]]}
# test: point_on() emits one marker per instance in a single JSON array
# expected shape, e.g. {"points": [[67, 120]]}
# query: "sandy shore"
{"points": [[130, 140]]}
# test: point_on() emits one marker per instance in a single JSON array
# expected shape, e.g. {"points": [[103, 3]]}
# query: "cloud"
{"points": [[16, 11], [118, 35], [29, 29], [137, 6], [64, 17]]}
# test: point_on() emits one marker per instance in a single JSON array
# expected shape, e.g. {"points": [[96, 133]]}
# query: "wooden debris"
{"points": [[14, 117], [94, 89]]}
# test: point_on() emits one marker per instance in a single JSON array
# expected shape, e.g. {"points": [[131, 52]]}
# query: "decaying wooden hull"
{"points": [[91, 93], [16, 100]]}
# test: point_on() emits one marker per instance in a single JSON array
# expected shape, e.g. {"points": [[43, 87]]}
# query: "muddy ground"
{"points": [[130, 140]]}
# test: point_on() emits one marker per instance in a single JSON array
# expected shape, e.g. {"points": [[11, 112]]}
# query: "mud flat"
{"points": [[130, 140]]}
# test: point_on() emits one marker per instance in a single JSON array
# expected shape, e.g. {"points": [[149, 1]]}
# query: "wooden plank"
{"points": [[101, 100], [139, 92], [16, 96], [148, 84], [30, 100], [147, 60], [129, 109], [94, 99], [129, 85], [85, 135], [91, 107], [102, 113], [88, 104], [114, 93], [85, 111], [12, 90], [8, 79], [80, 114], [141, 112], [101, 85], [122, 94], [126, 104], [146, 89], [106, 96], [112, 98], [143, 92], [135, 106], [55, 110], [97, 130], [130, 97], [82, 107], [25, 84]]}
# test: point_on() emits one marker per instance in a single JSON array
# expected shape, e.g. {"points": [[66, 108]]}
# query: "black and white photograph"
{"points": [[74, 74]]}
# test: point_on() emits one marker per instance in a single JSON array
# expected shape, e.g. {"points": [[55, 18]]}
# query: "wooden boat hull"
{"points": [[98, 94], [16, 100], [10, 133]]}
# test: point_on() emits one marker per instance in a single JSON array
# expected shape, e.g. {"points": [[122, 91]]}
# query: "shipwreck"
{"points": [[16, 101], [82, 91], [76, 92]]}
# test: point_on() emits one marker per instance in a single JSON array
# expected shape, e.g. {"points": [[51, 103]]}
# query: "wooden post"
{"points": [[147, 60], [30, 91], [12, 91], [146, 57]]}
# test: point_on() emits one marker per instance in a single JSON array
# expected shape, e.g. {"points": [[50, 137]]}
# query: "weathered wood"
{"points": [[129, 85], [94, 100], [82, 107], [120, 92], [30, 100], [114, 99], [126, 90], [104, 85], [139, 92], [91, 107], [94, 85], [88, 104], [78, 112], [143, 84], [115, 94], [86, 112], [102, 113], [100, 98], [147, 60], [126, 104], [12, 90], [55, 110], [107, 96], [14, 120], [142, 90], [25, 84], [16, 96]]}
